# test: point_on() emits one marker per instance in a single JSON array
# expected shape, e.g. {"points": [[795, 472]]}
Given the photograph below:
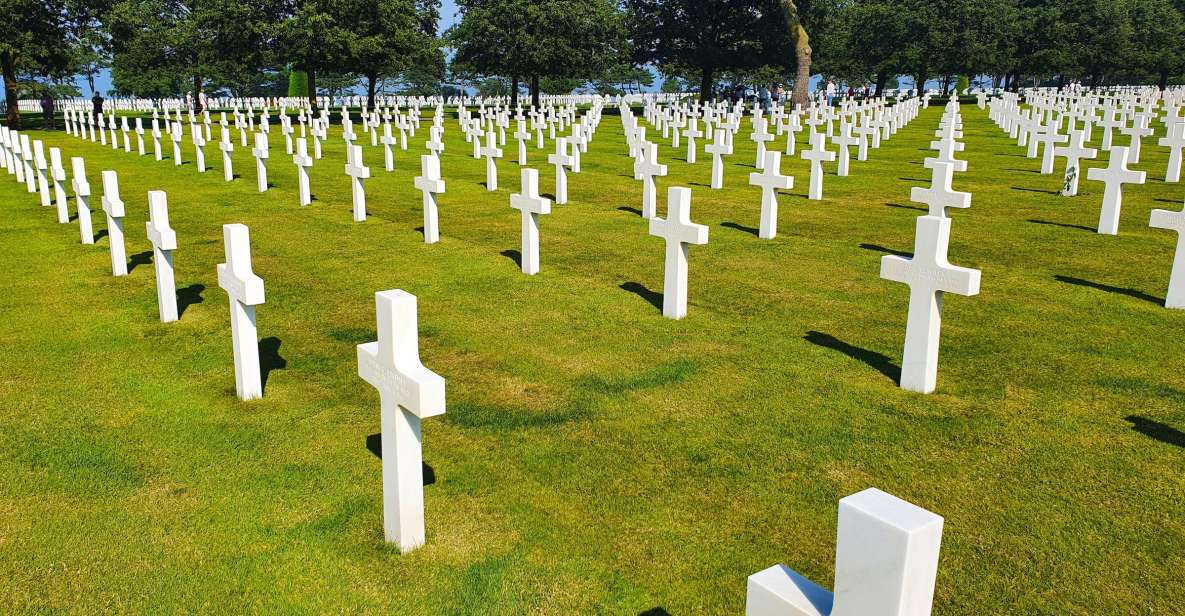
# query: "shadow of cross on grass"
{"points": [[270, 359], [140, 258], [1135, 293], [881, 362], [374, 443], [1156, 430]]}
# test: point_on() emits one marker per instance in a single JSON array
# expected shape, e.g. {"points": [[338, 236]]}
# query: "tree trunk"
{"points": [[90, 81], [535, 90], [312, 88], [919, 82], [371, 82], [197, 94], [1164, 80], [802, 54], [514, 92], [881, 79], [10, 94], [707, 85]]}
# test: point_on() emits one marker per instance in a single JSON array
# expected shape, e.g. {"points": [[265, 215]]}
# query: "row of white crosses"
{"points": [[1009, 115], [929, 273], [161, 236]]}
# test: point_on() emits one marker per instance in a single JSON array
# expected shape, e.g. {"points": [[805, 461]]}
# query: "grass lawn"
{"points": [[595, 457]]}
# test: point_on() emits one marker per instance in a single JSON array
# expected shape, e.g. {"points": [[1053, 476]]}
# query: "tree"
{"points": [[33, 39], [1158, 28], [190, 40], [533, 39], [314, 37], [389, 36], [708, 36]]}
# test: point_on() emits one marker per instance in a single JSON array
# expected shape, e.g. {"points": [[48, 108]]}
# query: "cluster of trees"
{"points": [[302, 47]]}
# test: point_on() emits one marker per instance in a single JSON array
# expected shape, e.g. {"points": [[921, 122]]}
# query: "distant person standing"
{"points": [[47, 109], [830, 92], [97, 105]]}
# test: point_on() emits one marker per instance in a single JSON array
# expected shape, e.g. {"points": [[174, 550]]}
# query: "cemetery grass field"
{"points": [[595, 457]]}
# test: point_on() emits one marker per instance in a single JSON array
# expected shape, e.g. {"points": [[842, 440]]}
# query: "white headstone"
{"points": [[560, 160], [929, 275], [113, 207], [818, 154], [770, 181], [648, 169], [886, 564], [164, 242], [491, 152], [679, 232], [408, 393], [245, 291], [358, 174], [82, 193], [302, 161], [430, 185], [261, 153], [1114, 176], [531, 205], [1173, 221]]}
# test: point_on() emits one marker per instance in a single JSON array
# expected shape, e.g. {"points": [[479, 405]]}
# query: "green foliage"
{"points": [[537, 38], [298, 83]]}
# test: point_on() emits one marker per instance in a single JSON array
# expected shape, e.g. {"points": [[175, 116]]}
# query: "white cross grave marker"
{"points": [[245, 291], [164, 242], [1173, 221], [59, 185], [718, 149], [818, 154], [113, 207], [303, 162], [358, 174], [940, 195], [408, 393], [1114, 176], [678, 231], [560, 160], [648, 169], [261, 154], [886, 564], [531, 205], [82, 193], [929, 274], [430, 185], [227, 146], [492, 152], [770, 181]]}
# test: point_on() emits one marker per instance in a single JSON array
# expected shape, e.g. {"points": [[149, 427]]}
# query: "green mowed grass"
{"points": [[595, 456]]}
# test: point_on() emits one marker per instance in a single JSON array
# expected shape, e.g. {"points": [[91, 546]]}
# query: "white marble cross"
{"points": [[261, 153], [770, 181], [175, 137], [245, 291], [1050, 139], [435, 142], [227, 146], [531, 205], [940, 195], [929, 275], [818, 154], [358, 173], [678, 231], [1136, 132], [113, 207], [408, 393], [82, 193], [1074, 153], [718, 149], [58, 173], [1174, 140], [303, 162], [648, 169], [388, 140], [156, 151], [692, 132], [1173, 221], [886, 564], [164, 242], [522, 135], [560, 160], [430, 185], [41, 165], [1114, 176], [761, 136], [844, 140], [199, 146], [491, 152]]}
